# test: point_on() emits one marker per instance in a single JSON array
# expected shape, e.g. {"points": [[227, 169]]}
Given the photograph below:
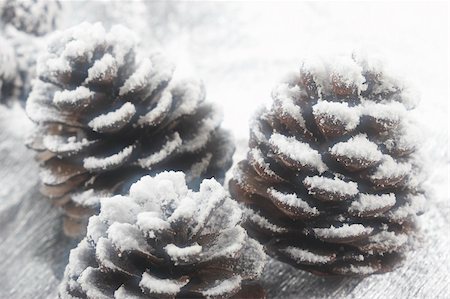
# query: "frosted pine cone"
{"points": [[106, 118], [165, 241], [36, 17], [8, 69], [331, 181]]}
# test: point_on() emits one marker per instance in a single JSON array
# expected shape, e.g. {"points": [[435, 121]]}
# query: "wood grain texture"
{"points": [[34, 251]]}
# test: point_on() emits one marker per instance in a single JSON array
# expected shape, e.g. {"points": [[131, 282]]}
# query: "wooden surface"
{"points": [[34, 251]]}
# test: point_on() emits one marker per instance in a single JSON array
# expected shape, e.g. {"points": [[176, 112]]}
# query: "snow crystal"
{"points": [[88, 281], [96, 228], [263, 222], [414, 204], [167, 149], [362, 270], [111, 119], [126, 237], [199, 168], [161, 286], [123, 293], [103, 253], [159, 191], [345, 231], [210, 195], [72, 97], [101, 68], [389, 168], [293, 201], [118, 208], [372, 202], [285, 95], [157, 113], [224, 287], [334, 185], [94, 163], [298, 151], [189, 93], [302, 255], [349, 116], [182, 253], [389, 240], [58, 144], [150, 222], [393, 111], [138, 79], [348, 72], [203, 133], [228, 243], [258, 158], [357, 147], [89, 198]]}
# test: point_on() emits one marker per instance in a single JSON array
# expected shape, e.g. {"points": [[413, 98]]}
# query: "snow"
{"points": [[172, 144], [177, 254], [257, 156], [348, 72], [119, 117], [199, 168], [58, 144], [74, 97], [392, 111], [388, 240], [372, 202], [357, 147], [349, 116], [357, 269], [138, 79], [305, 256], [7, 61], [103, 163], [263, 222], [161, 286], [286, 96], [344, 231], [224, 287], [204, 132], [334, 185], [155, 115], [118, 209], [389, 168], [297, 151], [293, 201], [190, 93], [102, 67], [150, 222]]}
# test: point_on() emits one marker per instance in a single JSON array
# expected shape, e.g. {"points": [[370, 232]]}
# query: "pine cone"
{"points": [[36, 17], [106, 118], [332, 181], [164, 241], [8, 69]]}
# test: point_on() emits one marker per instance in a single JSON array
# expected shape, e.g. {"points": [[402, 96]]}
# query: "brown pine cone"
{"points": [[37, 17], [106, 118], [163, 240], [8, 69], [331, 182]]}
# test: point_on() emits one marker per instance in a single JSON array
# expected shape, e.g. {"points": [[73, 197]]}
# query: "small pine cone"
{"points": [[106, 118], [331, 182], [163, 240], [37, 17], [8, 69]]}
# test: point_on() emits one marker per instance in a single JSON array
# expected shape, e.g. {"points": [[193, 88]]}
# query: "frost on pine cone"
{"points": [[163, 240], [331, 182], [106, 118], [37, 17], [8, 69]]}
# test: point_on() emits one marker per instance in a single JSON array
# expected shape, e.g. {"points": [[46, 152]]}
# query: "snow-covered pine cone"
{"points": [[105, 118], [332, 182], [8, 69], [37, 17], [163, 240]]}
